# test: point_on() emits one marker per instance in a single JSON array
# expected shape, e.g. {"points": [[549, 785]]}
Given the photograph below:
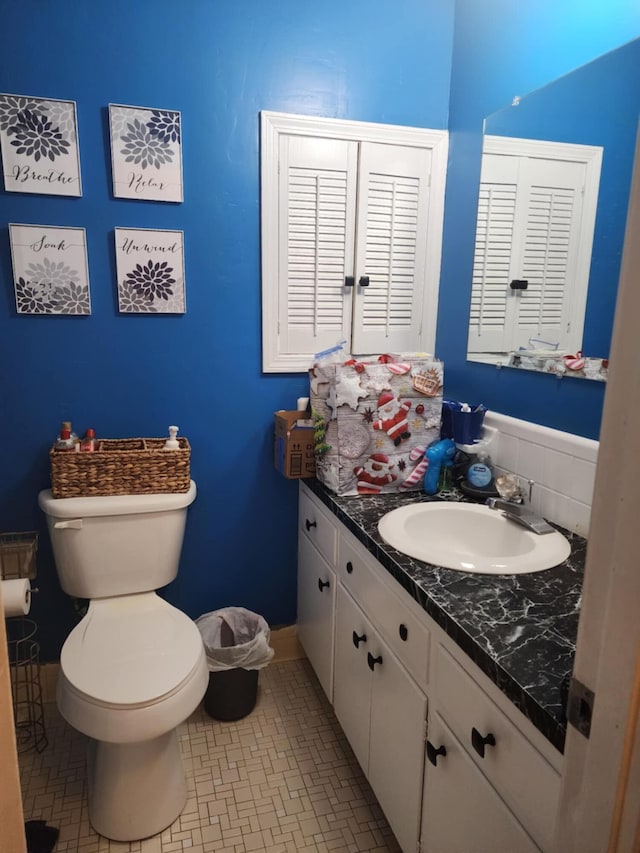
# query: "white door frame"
{"points": [[600, 797], [11, 816]]}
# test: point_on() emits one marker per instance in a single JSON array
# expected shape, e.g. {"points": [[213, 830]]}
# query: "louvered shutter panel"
{"points": [[549, 252], [393, 197], [491, 313], [317, 191]]}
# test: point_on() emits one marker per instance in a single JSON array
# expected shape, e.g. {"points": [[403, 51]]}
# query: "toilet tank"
{"points": [[120, 545]]}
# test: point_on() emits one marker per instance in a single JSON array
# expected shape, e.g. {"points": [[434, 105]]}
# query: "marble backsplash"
{"points": [[562, 466]]}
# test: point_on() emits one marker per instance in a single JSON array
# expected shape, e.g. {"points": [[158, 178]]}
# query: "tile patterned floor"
{"points": [[283, 780]]}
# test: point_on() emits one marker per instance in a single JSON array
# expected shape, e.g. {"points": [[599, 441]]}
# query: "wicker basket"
{"points": [[124, 466]]}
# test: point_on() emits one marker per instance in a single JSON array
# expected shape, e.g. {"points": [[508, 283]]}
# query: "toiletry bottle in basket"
{"points": [[88, 443], [64, 440]]}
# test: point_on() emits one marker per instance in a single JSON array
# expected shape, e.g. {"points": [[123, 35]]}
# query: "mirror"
{"points": [[554, 190]]}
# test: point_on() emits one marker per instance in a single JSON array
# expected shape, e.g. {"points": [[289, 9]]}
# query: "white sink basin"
{"points": [[470, 538]]}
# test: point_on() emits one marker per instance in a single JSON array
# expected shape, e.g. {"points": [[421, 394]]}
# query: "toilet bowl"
{"points": [[134, 668]]}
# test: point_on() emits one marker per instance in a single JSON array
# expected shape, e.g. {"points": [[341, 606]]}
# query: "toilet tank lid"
{"points": [[131, 650], [114, 504]]}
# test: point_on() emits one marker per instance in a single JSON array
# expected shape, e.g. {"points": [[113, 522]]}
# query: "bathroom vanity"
{"points": [[448, 686]]}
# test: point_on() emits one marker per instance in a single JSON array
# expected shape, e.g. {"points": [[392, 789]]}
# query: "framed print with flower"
{"points": [[39, 143], [146, 153], [150, 268], [50, 273]]}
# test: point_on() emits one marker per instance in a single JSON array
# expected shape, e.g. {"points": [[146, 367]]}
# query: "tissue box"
{"points": [[373, 421], [293, 453]]}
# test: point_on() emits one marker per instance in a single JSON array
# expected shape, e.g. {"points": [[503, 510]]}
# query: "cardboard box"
{"points": [[293, 454]]}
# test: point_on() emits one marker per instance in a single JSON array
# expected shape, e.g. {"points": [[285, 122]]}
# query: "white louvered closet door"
{"points": [[530, 221], [317, 203], [391, 243], [554, 213]]}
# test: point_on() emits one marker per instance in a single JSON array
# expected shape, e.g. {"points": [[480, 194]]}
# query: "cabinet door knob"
{"points": [[322, 584], [479, 742], [309, 524], [433, 753], [404, 632], [363, 281], [357, 639], [371, 661], [349, 567]]}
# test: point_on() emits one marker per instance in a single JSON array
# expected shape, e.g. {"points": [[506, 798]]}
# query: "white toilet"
{"points": [[134, 668]]}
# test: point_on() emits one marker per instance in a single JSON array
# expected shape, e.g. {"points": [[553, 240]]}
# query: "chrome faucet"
{"points": [[511, 502], [521, 514]]}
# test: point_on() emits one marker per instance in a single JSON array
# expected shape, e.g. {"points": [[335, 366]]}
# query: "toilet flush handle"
{"points": [[73, 522]]}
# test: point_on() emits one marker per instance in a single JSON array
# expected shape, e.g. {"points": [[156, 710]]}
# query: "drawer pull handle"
{"points": [[371, 661], [322, 584], [309, 524], [479, 742], [433, 753], [349, 567], [357, 639], [404, 632]]}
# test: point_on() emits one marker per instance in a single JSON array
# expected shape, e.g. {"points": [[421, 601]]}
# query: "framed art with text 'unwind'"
{"points": [[150, 267]]}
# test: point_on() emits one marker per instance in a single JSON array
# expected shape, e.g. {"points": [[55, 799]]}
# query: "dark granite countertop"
{"points": [[519, 629]]}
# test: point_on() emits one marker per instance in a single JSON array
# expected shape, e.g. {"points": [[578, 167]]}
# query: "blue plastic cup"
{"points": [[462, 427]]}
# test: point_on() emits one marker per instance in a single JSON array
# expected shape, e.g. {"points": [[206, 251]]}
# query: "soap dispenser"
{"points": [[172, 442]]}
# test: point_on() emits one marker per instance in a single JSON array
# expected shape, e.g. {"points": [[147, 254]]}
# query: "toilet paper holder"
{"points": [[17, 562]]}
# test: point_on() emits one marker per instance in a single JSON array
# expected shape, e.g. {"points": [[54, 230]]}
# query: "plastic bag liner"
{"points": [[235, 638]]}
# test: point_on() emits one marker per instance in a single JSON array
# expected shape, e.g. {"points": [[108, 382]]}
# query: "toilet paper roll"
{"points": [[16, 597]]}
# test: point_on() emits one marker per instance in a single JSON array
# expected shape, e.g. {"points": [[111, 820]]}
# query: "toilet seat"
{"points": [[130, 651]]}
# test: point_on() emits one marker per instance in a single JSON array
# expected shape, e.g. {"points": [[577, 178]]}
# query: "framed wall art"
{"points": [[146, 153], [150, 269], [39, 143], [50, 272]]}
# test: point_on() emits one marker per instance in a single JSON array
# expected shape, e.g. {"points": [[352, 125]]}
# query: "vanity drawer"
{"points": [[318, 525], [516, 769], [392, 613]]}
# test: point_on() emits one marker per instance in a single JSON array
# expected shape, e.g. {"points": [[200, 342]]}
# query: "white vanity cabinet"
{"points": [[517, 769], [383, 714], [462, 812], [382, 656], [317, 545]]}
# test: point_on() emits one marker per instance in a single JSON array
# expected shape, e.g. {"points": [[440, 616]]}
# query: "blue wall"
{"points": [[503, 49], [219, 64]]}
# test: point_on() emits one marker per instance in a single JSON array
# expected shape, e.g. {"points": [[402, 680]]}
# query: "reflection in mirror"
{"points": [[554, 189]]}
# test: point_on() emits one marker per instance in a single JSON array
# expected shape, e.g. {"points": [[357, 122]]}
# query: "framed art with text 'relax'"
{"points": [[146, 153]]}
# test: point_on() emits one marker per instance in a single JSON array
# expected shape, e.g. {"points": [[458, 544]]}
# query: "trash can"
{"points": [[236, 643]]}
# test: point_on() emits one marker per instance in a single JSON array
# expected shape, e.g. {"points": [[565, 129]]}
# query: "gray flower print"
{"points": [[51, 274], [118, 117], [152, 280], [165, 124], [144, 149], [62, 115], [72, 298], [132, 301], [11, 107], [36, 137], [31, 300]]}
